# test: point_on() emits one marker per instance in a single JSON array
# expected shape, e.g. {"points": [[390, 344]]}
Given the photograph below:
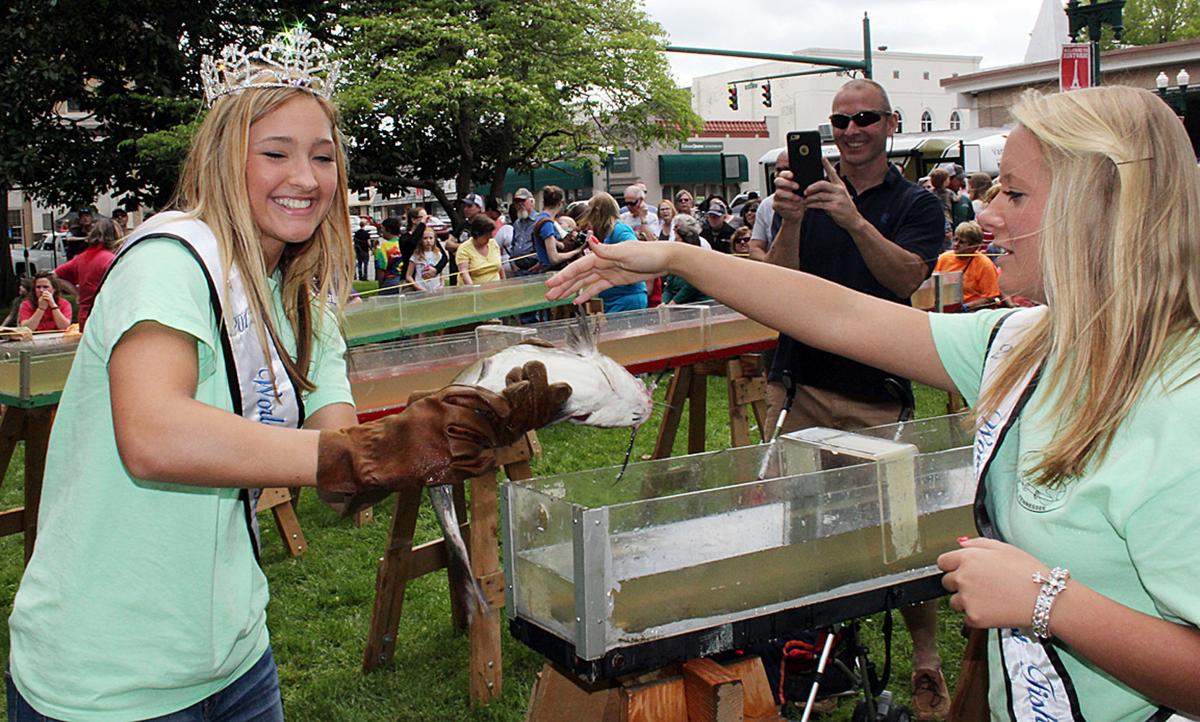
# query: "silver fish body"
{"points": [[603, 393], [441, 498]]}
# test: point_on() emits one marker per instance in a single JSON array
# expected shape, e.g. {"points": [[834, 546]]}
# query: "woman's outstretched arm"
{"points": [[812, 310]]}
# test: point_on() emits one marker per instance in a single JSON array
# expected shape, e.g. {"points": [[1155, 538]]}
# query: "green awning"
{"points": [[566, 174], [700, 168]]}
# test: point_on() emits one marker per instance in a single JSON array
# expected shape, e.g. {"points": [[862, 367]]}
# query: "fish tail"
{"points": [[481, 601], [443, 506]]}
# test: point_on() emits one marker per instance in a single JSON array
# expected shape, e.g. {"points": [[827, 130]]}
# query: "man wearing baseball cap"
{"points": [[960, 207], [77, 240], [716, 230], [522, 250], [472, 205]]}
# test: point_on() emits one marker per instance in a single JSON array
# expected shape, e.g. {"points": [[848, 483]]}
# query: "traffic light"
{"points": [[733, 97], [766, 88]]}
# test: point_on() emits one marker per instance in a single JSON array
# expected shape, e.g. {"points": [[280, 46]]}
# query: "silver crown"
{"points": [[292, 59]]}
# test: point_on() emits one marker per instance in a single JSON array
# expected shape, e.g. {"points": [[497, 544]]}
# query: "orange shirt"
{"points": [[981, 279]]}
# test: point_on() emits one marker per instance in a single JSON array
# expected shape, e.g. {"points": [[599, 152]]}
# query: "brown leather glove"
{"points": [[443, 438]]}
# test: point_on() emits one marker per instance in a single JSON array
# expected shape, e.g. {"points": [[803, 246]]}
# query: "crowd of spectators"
{"points": [[43, 302], [527, 241]]}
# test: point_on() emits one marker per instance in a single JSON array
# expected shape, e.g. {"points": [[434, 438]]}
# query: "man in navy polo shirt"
{"points": [[867, 228]]}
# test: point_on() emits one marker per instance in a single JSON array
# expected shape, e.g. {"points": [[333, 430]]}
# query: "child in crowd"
{"points": [[980, 282], [428, 255]]}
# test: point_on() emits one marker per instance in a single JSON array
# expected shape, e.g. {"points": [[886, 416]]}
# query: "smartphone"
{"points": [[804, 157]]}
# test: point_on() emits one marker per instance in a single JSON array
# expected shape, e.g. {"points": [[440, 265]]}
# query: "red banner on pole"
{"points": [[1075, 66]]}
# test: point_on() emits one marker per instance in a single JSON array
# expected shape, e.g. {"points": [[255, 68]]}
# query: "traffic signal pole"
{"points": [[830, 65]]}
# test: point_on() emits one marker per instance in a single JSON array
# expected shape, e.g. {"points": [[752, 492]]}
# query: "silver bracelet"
{"points": [[1051, 587]]}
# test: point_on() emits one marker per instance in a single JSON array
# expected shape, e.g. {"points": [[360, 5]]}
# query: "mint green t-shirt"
{"points": [[1126, 528], [143, 598]]}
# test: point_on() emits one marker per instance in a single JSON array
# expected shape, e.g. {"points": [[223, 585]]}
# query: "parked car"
{"points": [[441, 226], [46, 253]]}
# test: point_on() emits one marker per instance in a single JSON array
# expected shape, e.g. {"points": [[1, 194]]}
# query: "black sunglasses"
{"points": [[862, 119]]}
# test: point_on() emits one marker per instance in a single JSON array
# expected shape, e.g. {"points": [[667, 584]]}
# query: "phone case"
{"points": [[804, 157]]}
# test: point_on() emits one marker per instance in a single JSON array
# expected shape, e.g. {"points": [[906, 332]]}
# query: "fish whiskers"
{"points": [[633, 432]]}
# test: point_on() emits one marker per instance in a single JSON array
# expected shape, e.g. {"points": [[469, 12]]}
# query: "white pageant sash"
{"points": [[260, 388], [990, 434]]}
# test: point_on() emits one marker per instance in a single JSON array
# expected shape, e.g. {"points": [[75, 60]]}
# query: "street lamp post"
{"points": [[1175, 97], [1094, 16]]}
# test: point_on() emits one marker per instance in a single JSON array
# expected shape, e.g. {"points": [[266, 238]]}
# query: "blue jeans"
{"points": [[253, 697], [390, 286]]}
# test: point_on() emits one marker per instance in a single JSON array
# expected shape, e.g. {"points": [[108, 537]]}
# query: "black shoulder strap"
{"points": [[214, 299]]}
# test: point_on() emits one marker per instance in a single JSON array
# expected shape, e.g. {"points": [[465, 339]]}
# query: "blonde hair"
{"points": [[601, 215], [1121, 271], [212, 188]]}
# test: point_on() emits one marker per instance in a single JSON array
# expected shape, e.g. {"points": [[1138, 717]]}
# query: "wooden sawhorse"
{"points": [[281, 502], [746, 387], [402, 562], [699, 690], [31, 425]]}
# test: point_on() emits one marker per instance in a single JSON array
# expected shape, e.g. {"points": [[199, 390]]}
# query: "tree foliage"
{"points": [[1159, 21], [468, 89], [130, 68]]}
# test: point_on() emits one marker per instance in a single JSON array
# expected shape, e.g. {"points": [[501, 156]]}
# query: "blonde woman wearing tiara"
{"points": [[212, 366], [1088, 407]]}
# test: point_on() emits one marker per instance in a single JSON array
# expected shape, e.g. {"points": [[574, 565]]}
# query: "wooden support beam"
{"points": [[699, 690], [677, 395], [279, 501], [758, 705], [12, 423], [697, 411], [739, 426], [33, 427], [391, 583], [456, 574], [37, 442], [12, 521], [661, 700], [556, 697], [484, 633], [713, 693]]}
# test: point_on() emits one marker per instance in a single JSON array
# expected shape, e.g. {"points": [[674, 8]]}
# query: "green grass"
{"points": [[361, 286], [321, 602]]}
